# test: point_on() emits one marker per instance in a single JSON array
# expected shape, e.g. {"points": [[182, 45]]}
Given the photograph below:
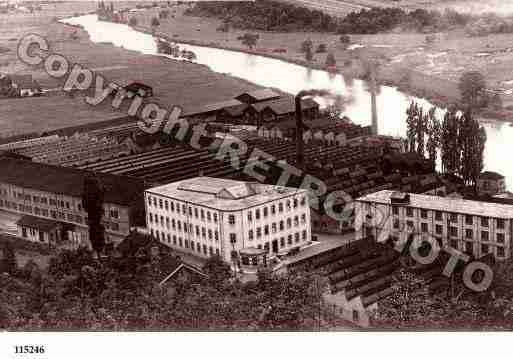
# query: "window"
{"points": [[197, 231], [184, 209], [196, 212], [295, 202], [202, 214], [395, 210], [167, 222], [180, 242], [438, 229], [303, 218], [149, 201], [273, 209], [231, 219], [186, 243], [203, 232], [173, 223], [259, 232], [280, 207], [151, 217], [500, 237], [396, 223], [166, 205], [174, 240], [468, 219], [289, 239], [274, 227], [409, 212], [209, 217], [288, 205], [216, 235], [257, 214], [250, 216], [282, 226], [250, 234], [114, 213], [453, 217], [265, 212], [454, 243], [266, 230], [453, 231], [282, 242], [210, 234], [296, 221], [303, 200], [192, 245], [484, 235], [424, 227], [484, 221], [179, 225], [215, 217], [469, 233], [500, 223], [410, 224], [485, 249], [423, 213], [172, 205], [500, 251], [190, 211], [469, 247], [304, 235], [289, 223], [233, 238], [296, 236], [160, 203]]}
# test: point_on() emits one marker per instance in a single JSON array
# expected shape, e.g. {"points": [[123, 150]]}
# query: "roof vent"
{"points": [[400, 198]]}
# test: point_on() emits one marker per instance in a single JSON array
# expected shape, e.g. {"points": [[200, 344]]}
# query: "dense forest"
{"points": [[268, 15]]}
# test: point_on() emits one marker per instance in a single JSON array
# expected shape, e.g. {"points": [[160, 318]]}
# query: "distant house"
{"points": [[25, 85], [283, 109], [39, 229], [258, 96]]}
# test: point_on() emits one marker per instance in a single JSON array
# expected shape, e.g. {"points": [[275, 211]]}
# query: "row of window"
{"points": [[184, 209], [290, 240], [185, 243], [272, 208], [114, 213], [274, 227], [453, 231], [187, 228], [452, 217], [43, 212], [468, 247]]}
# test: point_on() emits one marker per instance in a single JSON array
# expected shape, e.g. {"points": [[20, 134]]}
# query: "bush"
{"points": [[321, 48]]}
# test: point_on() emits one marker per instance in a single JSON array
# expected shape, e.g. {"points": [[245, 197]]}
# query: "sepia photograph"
{"points": [[275, 166]]}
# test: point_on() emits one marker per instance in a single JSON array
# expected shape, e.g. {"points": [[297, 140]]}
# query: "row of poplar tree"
{"points": [[457, 138]]}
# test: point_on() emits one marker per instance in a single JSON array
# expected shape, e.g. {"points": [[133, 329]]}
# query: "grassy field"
{"points": [[175, 83]]}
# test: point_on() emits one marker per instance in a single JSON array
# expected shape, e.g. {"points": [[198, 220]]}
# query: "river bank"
{"points": [[433, 71]]}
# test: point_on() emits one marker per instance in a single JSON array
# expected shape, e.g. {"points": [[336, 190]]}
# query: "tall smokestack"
{"points": [[300, 153], [374, 109]]}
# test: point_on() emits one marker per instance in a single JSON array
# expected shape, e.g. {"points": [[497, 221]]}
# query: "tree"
{"points": [[433, 133], [8, 263], [155, 22], [330, 60], [250, 40], [411, 126], [321, 48], [472, 87], [306, 45], [92, 198], [132, 22]]}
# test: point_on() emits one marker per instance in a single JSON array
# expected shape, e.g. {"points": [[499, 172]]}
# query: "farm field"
{"points": [[175, 82]]}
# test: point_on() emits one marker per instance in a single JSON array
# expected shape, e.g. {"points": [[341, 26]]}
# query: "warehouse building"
{"points": [[43, 194], [473, 227], [244, 223]]}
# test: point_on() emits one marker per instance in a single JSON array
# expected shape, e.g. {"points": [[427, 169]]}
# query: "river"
{"points": [[292, 78]]}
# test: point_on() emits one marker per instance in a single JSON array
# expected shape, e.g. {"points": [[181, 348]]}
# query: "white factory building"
{"points": [[243, 222], [473, 227]]}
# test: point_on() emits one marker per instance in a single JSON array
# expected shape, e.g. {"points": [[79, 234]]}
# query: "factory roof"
{"points": [[223, 194], [445, 204]]}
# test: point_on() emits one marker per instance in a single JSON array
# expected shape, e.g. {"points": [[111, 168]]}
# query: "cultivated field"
{"points": [[174, 82]]}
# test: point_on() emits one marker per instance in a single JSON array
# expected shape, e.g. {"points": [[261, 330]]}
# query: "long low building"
{"points": [[55, 193], [473, 227], [239, 221]]}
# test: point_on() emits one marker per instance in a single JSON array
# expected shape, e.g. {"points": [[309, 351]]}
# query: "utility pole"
{"points": [[373, 87]]}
